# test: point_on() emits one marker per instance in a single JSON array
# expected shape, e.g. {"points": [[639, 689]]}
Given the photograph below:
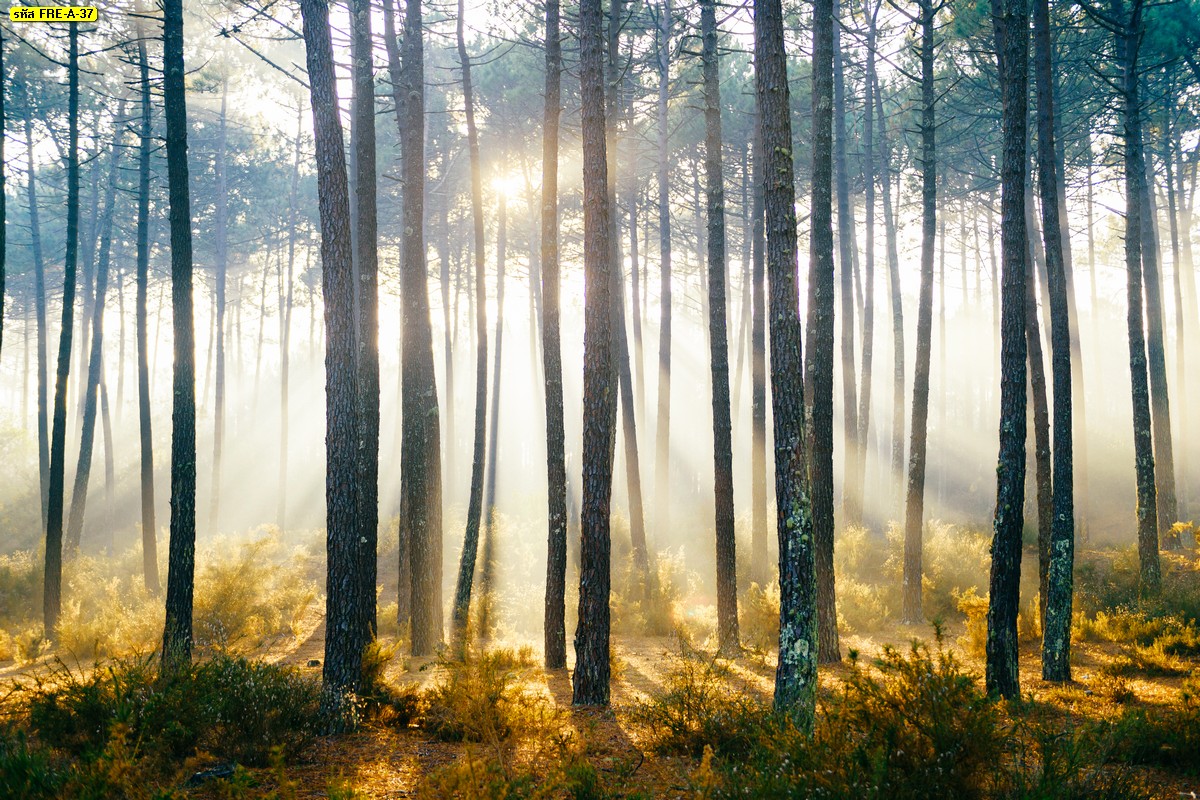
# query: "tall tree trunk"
{"points": [[145, 430], [893, 257], [52, 592], [556, 467], [487, 568], [727, 620], [662, 433], [91, 390], [818, 369], [1056, 624], [758, 367], [796, 671], [3, 197], [181, 567], [39, 288], [914, 515], [398, 79], [1043, 469], [222, 269], [1011, 23], [1156, 351], [590, 680], [1128, 39], [633, 478], [466, 566], [851, 485], [345, 626], [420, 457], [366, 264], [868, 344]]}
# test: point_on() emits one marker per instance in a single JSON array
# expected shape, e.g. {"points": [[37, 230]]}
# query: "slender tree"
{"points": [[366, 275], [221, 225], [818, 368], [466, 566], [662, 433], [52, 592], [39, 288], [758, 369], [145, 425], [1011, 28], [556, 467], [1056, 629], [914, 512], [727, 620], [796, 671], [590, 680], [181, 565]]}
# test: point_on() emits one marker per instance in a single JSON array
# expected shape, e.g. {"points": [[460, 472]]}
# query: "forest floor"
{"points": [[389, 761]]}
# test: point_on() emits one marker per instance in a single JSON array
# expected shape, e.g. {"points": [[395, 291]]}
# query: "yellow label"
{"points": [[52, 14]]}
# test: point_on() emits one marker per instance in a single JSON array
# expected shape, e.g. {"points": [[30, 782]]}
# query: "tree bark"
{"points": [[914, 515], [662, 433], [818, 369], [52, 592], [758, 367], [145, 424], [727, 620], [181, 567], [1011, 24], [466, 566], [1056, 624], [556, 467], [39, 288], [590, 680], [1128, 40], [366, 264], [796, 671], [420, 457]]}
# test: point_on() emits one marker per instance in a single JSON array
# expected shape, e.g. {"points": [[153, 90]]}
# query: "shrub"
{"points": [[758, 613], [480, 699], [647, 607], [235, 708], [1167, 738], [26, 770], [698, 709], [1048, 764], [954, 560]]}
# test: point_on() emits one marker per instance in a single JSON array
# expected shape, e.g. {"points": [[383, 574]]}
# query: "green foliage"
{"points": [[758, 616], [696, 709], [1165, 737], [232, 707], [1049, 764], [481, 699], [27, 770]]}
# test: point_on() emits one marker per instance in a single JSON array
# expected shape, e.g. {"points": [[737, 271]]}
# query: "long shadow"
{"points": [[607, 745]]}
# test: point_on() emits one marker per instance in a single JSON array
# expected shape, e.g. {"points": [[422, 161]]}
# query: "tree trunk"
{"points": [[52, 593], [590, 680], [893, 257], [487, 568], [91, 388], [420, 457], [1056, 623], [758, 368], [662, 433], [914, 515], [1011, 21], [818, 369], [39, 288], [397, 77], [366, 263], [145, 430], [285, 322], [466, 566], [1135, 195], [345, 623], [1164, 459], [868, 316], [556, 467], [851, 485], [727, 621], [796, 671], [177, 634]]}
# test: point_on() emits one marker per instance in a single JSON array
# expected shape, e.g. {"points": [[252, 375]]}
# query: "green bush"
{"points": [[697, 708], [232, 707], [27, 770]]}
